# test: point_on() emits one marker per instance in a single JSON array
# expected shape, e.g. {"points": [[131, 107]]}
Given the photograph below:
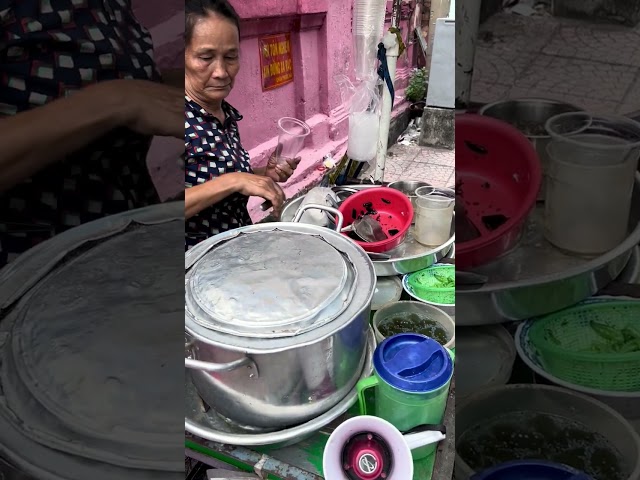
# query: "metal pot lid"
{"points": [[270, 283]]}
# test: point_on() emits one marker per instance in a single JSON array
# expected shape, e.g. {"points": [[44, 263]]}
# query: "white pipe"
{"points": [[467, 24], [390, 41]]}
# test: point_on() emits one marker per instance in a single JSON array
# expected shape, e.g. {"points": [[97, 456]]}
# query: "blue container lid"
{"points": [[413, 363], [531, 470]]}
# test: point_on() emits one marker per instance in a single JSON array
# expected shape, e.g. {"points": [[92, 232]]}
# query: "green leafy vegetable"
{"points": [[444, 281], [624, 340]]}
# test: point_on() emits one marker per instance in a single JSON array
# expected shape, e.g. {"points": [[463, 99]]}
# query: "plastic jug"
{"points": [[412, 374]]}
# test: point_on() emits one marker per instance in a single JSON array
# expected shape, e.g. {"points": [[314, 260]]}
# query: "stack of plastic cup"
{"points": [[368, 25]]}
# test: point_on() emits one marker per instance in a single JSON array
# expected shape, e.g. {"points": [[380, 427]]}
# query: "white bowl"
{"points": [[388, 290], [433, 313]]}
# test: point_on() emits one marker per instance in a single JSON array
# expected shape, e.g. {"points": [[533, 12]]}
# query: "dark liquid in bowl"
{"points": [[413, 323], [530, 435]]}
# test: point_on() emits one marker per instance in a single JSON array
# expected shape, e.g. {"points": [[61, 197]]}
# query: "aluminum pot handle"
{"points": [[324, 208], [211, 366], [218, 367]]}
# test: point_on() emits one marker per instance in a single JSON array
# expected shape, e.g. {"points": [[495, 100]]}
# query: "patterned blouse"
{"points": [[214, 148], [48, 50]]}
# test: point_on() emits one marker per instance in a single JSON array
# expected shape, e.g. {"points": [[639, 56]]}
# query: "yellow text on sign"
{"points": [[276, 49], [277, 68]]}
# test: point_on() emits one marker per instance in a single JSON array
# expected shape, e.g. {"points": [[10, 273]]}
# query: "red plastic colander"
{"points": [[390, 207], [498, 176]]}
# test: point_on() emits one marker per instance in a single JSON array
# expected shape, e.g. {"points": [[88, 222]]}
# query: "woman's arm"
{"points": [[34, 139], [209, 193]]}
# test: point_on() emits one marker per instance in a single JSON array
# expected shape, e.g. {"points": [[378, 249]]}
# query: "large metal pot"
{"points": [[276, 320]]}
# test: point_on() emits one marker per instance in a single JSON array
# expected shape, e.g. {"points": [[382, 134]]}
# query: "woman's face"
{"points": [[212, 59]]}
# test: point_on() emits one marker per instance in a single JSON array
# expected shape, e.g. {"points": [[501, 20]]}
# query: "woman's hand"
{"points": [[209, 193], [253, 185], [280, 172], [148, 108]]}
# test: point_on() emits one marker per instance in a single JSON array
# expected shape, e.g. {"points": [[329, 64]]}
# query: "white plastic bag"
{"points": [[364, 118]]}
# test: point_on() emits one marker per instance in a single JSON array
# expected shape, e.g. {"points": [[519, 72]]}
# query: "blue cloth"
{"points": [[383, 72]]}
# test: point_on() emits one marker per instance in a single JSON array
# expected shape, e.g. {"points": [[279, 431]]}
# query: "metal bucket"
{"points": [[495, 402]]}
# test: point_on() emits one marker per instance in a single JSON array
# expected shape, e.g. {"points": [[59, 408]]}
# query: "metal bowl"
{"points": [[419, 308], [494, 402], [529, 115], [409, 187]]}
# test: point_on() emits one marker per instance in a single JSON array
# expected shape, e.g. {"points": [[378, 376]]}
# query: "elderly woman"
{"points": [[218, 174]]}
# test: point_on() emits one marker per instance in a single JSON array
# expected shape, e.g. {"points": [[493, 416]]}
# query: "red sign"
{"points": [[276, 61]]}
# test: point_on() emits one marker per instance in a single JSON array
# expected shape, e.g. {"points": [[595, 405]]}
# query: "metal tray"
{"points": [[408, 257], [211, 426], [536, 278]]}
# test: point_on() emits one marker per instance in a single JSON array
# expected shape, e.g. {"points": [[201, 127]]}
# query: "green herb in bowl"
{"points": [[614, 340]]}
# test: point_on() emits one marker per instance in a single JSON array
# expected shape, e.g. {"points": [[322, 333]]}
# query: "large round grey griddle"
{"points": [[97, 314]]}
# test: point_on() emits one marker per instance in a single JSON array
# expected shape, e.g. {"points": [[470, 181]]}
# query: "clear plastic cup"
{"points": [[293, 133], [587, 207], [433, 215], [368, 28], [594, 140], [366, 49]]}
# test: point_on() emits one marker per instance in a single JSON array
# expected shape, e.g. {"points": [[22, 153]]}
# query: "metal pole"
{"points": [[390, 41], [393, 50], [467, 24]]}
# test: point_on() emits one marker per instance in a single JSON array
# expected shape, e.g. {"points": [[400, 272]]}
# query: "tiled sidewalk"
{"points": [[410, 162], [595, 66]]}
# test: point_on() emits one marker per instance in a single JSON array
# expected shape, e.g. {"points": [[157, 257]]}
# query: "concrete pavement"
{"points": [[595, 66]]}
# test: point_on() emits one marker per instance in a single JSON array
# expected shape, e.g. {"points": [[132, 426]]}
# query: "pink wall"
{"points": [[165, 21], [314, 33], [322, 49]]}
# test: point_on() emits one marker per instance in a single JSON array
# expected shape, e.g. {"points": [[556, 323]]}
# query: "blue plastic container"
{"points": [[531, 470]]}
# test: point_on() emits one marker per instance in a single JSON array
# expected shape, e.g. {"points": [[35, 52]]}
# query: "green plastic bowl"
{"points": [[595, 345], [427, 284]]}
